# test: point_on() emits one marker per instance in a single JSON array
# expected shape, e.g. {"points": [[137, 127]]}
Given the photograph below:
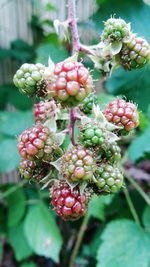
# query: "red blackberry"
{"points": [[45, 110], [73, 83], [36, 142], [69, 203], [123, 114]]}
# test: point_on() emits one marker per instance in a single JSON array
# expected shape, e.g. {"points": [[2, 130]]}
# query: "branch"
{"points": [[75, 48], [72, 125], [79, 240], [73, 26]]}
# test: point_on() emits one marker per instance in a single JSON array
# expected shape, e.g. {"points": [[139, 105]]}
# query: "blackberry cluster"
{"points": [[123, 114], [78, 164], [135, 53], [109, 179], [73, 83], [90, 165], [69, 204], [45, 110], [28, 77]]}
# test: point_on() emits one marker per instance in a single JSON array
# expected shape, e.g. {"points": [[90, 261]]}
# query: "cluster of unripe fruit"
{"points": [[91, 165], [133, 52]]}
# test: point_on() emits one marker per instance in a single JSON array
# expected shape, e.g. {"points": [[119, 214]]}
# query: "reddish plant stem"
{"points": [[75, 49], [73, 26], [72, 125]]}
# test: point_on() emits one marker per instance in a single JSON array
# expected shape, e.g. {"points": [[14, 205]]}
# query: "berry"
{"points": [[87, 104], [45, 110], [123, 114], [36, 142], [109, 178], [73, 83], [31, 169], [27, 78], [91, 135], [110, 152], [78, 164], [69, 203], [115, 30], [135, 53]]}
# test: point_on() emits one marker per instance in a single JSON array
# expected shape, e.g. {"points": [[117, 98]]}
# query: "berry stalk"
{"points": [[73, 26], [72, 125], [75, 48]]}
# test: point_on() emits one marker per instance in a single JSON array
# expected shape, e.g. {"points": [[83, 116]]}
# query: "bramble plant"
{"points": [[92, 162]]}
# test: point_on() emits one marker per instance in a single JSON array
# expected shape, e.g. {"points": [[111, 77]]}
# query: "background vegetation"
{"points": [[118, 227]]}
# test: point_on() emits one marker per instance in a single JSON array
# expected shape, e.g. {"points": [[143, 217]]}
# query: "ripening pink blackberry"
{"points": [[32, 169], [45, 110], [123, 114], [73, 83], [69, 203], [78, 164], [36, 142]]}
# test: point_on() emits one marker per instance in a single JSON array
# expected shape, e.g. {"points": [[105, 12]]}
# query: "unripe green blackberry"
{"points": [[32, 169], [78, 164], [28, 77], [112, 152], [91, 135], [87, 104], [37, 142], [109, 178], [115, 30], [135, 53]]}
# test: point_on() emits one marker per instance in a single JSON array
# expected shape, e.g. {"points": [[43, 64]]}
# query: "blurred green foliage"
{"points": [[25, 220]]}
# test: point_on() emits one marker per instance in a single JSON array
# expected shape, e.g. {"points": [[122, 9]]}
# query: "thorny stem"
{"points": [[72, 125], [131, 206], [75, 48], [79, 240], [73, 26]]}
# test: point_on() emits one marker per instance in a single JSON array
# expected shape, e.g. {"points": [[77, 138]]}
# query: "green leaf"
{"points": [[46, 50], [50, 7], [10, 94], [97, 206], [4, 53], [18, 241], [124, 244], [143, 121], [22, 51], [42, 232], [146, 218], [140, 147], [134, 85], [16, 206], [28, 264], [13, 123], [9, 157]]}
